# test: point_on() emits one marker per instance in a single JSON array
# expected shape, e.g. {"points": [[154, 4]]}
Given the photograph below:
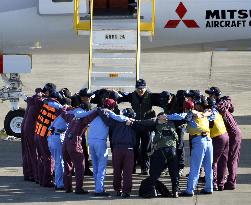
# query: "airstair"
{"points": [[115, 45]]}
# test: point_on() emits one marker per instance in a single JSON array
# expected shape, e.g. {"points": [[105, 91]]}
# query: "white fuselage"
{"points": [[196, 25]]}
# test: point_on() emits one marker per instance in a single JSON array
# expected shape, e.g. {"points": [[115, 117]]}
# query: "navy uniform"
{"points": [[142, 102]]}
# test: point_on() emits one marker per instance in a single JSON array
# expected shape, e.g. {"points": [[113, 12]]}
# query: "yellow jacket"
{"points": [[202, 125], [219, 126]]}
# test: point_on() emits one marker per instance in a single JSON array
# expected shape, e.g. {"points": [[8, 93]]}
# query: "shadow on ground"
{"points": [[13, 189], [244, 119]]}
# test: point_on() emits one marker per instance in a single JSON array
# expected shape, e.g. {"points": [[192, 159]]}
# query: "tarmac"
{"points": [[230, 71]]}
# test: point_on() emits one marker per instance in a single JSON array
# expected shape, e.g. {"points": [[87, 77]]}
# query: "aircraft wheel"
{"points": [[13, 122]]}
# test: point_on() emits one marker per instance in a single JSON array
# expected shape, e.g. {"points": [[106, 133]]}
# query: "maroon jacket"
{"points": [[34, 104], [226, 108]]}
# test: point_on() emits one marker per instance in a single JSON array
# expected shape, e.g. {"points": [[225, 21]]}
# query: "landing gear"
{"points": [[13, 122], [11, 68], [11, 92]]}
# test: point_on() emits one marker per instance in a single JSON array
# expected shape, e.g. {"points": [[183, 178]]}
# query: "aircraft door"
{"points": [[60, 7]]}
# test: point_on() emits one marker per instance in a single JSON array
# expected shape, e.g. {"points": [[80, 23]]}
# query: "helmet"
{"points": [[51, 87], [213, 91], [65, 92], [128, 112], [189, 105], [84, 93]]}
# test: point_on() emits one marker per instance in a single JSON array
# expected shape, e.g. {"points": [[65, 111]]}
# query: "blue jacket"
{"points": [[98, 130]]}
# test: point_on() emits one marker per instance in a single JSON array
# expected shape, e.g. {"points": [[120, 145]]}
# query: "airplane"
{"points": [[46, 26]]}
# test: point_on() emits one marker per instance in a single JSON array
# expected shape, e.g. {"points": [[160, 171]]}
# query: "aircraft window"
{"points": [[62, 1]]}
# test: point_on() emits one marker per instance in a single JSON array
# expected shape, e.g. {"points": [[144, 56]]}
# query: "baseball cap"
{"points": [[141, 83], [189, 105], [109, 103], [51, 87], [85, 93], [213, 91]]}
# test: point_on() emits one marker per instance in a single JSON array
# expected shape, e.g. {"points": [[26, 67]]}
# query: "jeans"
{"points": [[201, 154], [55, 143], [99, 155]]}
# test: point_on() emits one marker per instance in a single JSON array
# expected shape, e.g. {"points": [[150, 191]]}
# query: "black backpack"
{"points": [[147, 190]]}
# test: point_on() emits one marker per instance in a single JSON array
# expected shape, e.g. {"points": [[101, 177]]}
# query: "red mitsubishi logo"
{"points": [[181, 11]]}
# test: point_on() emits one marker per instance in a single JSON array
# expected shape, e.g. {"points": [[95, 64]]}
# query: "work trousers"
{"points": [[55, 143], [73, 156], [220, 150], [123, 161], [26, 158], [181, 147], [45, 164], [143, 140], [201, 154], [85, 152], [160, 160], [99, 155], [235, 138]]}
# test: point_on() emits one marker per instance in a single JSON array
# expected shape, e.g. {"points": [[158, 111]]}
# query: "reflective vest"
{"points": [[45, 118], [140, 108], [219, 126], [202, 126]]}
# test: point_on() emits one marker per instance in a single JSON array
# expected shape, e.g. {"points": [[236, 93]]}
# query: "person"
{"points": [[202, 149], [142, 102], [176, 105], [225, 107], [97, 140], [46, 116], [164, 155], [85, 98], [73, 152], [220, 138], [56, 139], [27, 139], [123, 142]]}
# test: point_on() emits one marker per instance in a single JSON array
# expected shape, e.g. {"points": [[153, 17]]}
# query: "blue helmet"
{"points": [[128, 112]]}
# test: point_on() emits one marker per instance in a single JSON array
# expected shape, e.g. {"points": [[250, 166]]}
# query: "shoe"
{"points": [[134, 171], [118, 193], [220, 188], [175, 194], [30, 179], [101, 194], [125, 195], [228, 186], [82, 191], [185, 194], [59, 188], [88, 172], [50, 185], [202, 179], [69, 191], [203, 191], [181, 172]]}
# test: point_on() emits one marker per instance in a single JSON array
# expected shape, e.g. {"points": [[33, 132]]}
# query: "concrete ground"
{"points": [[170, 71]]}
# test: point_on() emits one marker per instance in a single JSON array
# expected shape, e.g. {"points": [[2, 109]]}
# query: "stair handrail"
{"points": [[138, 39], [81, 25], [91, 42], [76, 15]]}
